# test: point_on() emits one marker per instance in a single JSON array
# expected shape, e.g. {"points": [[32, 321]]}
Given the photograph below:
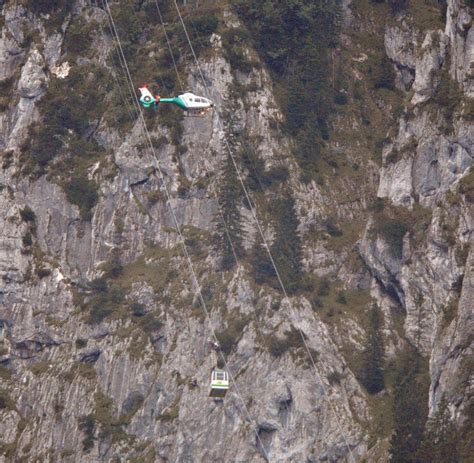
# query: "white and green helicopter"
{"points": [[193, 105]]}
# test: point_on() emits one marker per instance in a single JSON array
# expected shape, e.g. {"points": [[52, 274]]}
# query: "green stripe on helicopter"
{"points": [[178, 101]]}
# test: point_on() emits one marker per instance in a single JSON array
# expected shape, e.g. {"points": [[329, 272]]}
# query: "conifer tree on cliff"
{"points": [[373, 373], [286, 247], [440, 442], [228, 236]]}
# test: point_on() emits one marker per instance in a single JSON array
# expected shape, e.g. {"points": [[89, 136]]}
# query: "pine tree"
{"points": [[440, 442], [286, 248], [410, 407], [373, 372], [228, 236], [262, 268]]}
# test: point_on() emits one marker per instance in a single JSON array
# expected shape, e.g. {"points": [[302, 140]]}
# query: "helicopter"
{"points": [[192, 104]]}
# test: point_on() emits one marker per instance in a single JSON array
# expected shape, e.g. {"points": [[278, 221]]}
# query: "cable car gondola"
{"points": [[219, 383]]}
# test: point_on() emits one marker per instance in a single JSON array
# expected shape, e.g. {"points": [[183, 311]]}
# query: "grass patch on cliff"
{"points": [[99, 299], [6, 91], [392, 223], [171, 412], [334, 303], [83, 193], [426, 14], [278, 346], [60, 106], [40, 368], [341, 235], [63, 144], [230, 336], [78, 39], [6, 403], [5, 373], [101, 424], [104, 298], [154, 267]]}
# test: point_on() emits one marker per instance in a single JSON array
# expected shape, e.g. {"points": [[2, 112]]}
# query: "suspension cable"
{"points": [[252, 208], [229, 238], [179, 232]]}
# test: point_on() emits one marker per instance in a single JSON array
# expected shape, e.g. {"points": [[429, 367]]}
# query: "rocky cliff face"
{"points": [[103, 342]]}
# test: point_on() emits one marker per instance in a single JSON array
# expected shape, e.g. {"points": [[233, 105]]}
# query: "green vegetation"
{"points": [[104, 297], [381, 73], [172, 411], [230, 336], [258, 178], [466, 186], [27, 214], [45, 6], [295, 41], [292, 340], [85, 370], [440, 441], [87, 426], [131, 405], [154, 267], [103, 413], [448, 96], [393, 223], [62, 145], [372, 374], [450, 311], [286, 248], [83, 193], [138, 310], [150, 323], [6, 87], [262, 267], [27, 239], [410, 406], [113, 268], [101, 424], [5, 401], [77, 40], [40, 368], [102, 300], [426, 14], [81, 343], [138, 23], [234, 42], [393, 232]]}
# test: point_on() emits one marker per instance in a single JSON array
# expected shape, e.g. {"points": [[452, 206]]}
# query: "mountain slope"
{"points": [[351, 126]]}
